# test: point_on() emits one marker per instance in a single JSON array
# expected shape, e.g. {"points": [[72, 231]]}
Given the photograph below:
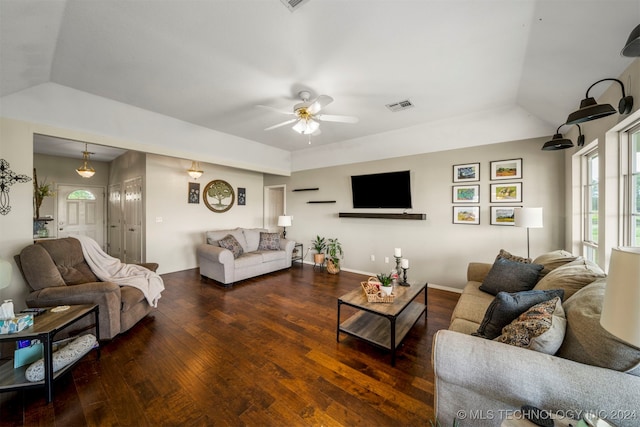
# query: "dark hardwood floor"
{"points": [[263, 353]]}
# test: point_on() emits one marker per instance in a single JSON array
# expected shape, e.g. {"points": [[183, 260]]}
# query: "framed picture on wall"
{"points": [[194, 192], [466, 172], [509, 192], [466, 215], [503, 215], [506, 169], [466, 193], [242, 196]]}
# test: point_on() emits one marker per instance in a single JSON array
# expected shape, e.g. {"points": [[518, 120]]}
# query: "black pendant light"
{"points": [[632, 46], [591, 110], [559, 142]]}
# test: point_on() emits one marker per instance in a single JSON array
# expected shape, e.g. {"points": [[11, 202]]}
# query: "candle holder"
{"points": [[398, 267], [404, 278]]}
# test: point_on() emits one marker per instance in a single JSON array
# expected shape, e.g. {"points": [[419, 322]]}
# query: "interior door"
{"points": [[81, 212], [133, 220], [114, 222], [274, 206]]}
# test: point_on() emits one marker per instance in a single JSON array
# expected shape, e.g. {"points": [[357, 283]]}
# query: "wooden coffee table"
{"points": [[383, 324]]}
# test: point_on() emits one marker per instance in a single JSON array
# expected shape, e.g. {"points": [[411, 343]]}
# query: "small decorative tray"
{"points": [[372, 290]]}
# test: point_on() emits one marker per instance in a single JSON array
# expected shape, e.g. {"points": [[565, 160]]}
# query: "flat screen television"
{"points": [[382, 190]]}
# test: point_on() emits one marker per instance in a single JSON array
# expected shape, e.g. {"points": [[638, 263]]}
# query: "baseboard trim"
{"points": [[444, 288]]}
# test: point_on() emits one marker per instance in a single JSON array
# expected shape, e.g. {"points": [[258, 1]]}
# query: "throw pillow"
{"points": [[510, 276], [269, 242], [506, 255], [230, 242], [506, 307], [541, 328], [589, 343], [571, 277], [554, 259]]}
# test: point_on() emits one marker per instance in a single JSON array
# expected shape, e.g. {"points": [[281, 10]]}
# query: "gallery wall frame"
{"points": [[506, 169], [218, 195], [507, 192], [503, 215], [466, 193], [194, 193], [466, 172], [469, 215]]}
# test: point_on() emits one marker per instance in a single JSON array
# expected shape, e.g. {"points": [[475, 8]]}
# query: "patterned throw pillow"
{"points": [[541, 328], [506, 255], [506, 307], [230, 242], [269, 242]]}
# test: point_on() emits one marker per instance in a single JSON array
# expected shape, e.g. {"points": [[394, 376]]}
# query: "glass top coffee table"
{"points": [[383, 324]]}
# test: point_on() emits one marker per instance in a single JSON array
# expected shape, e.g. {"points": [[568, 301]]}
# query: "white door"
{"points": [[274, 206], [81, 212], [114, 220], [133, 220]]}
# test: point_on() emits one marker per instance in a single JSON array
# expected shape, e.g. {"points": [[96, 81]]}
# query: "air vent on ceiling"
{"points": [[293, 4], [400, 105]]}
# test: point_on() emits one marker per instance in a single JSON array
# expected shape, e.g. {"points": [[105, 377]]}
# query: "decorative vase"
{"points": [[332, 267], [386, 290], [318, 259]]}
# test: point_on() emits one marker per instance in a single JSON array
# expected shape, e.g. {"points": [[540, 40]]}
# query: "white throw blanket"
{"points": [[110, 269]]}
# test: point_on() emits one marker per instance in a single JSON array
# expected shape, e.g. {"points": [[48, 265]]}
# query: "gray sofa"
{"points": [[480, 382], [219, 263]]}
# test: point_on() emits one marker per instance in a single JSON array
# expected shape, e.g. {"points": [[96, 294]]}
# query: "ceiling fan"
{"points": [[307, 118]]}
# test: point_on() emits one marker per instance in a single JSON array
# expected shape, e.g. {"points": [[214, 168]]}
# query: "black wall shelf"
{"points": [[414, 216], [305, 189], [321, 201]]}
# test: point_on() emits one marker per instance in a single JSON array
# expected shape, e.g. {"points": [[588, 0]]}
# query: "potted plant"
{"points": [[386, 280], [334, 254], [319, 245]]}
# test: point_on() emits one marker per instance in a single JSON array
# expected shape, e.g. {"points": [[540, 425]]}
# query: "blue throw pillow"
{"points": [[510, 276], [506, 307]]}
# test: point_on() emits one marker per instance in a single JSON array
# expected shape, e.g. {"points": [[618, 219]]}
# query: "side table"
{"points": [[45, 327], [298, 253]]}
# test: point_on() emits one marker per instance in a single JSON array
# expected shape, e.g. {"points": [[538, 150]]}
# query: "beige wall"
{"points": [[437, 249]]}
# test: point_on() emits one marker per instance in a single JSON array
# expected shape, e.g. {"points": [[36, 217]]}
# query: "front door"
{"points": [[81, 212]]}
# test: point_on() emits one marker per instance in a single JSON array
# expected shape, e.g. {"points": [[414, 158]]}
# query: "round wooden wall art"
{"points": [[218, 195]]}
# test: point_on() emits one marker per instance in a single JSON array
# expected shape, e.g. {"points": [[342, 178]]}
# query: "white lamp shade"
{"points": [[5, 273], [621, 308], [527, 217], [284, 221]]}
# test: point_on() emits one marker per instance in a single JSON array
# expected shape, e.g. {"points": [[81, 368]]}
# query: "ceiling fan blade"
{"points": [[288, 122], [319, 103], [266, 107], [335, 118]]}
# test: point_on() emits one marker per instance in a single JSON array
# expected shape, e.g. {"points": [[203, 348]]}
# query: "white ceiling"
{"points": [[210, 62]]}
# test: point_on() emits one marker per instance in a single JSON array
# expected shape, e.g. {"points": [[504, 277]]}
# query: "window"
{"points": [[81, 195], [590, 181], [632, 202]]}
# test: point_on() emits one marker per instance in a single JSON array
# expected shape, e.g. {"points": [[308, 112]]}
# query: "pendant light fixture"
{"points": [[559, 142], [194, 171], [591, 110], [86, 171]]}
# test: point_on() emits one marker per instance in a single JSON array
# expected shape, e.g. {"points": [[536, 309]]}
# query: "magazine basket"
{"points": [[372, 290]]}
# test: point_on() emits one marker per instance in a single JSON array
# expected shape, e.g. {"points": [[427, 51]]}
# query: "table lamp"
{"points": [[529, 218], [621, 307], [284, 221]]}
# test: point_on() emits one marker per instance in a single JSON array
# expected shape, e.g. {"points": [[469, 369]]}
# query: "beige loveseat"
{"points": [[254, 258], [480, 381]]}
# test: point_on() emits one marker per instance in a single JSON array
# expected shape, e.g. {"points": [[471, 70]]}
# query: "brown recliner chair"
{"points": [[58, 274]]}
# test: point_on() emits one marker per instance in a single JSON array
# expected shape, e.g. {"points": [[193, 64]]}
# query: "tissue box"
{"points": [[18, 323]]}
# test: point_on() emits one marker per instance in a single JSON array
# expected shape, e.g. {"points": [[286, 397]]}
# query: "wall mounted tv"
{"points": [[382, 190]]}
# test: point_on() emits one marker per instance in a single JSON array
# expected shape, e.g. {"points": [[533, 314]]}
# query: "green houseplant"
{"points": [[319, 245], [386, 281], [334, 255]]}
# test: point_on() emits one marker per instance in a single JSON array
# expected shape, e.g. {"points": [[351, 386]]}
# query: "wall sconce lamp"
{"points": [[284, 221], [194, 171], [631, 49], [86, 171], [559, 142], [591, 110]]}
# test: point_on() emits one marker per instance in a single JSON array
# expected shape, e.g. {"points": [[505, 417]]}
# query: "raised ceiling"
{"points": [[210, 62]]}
